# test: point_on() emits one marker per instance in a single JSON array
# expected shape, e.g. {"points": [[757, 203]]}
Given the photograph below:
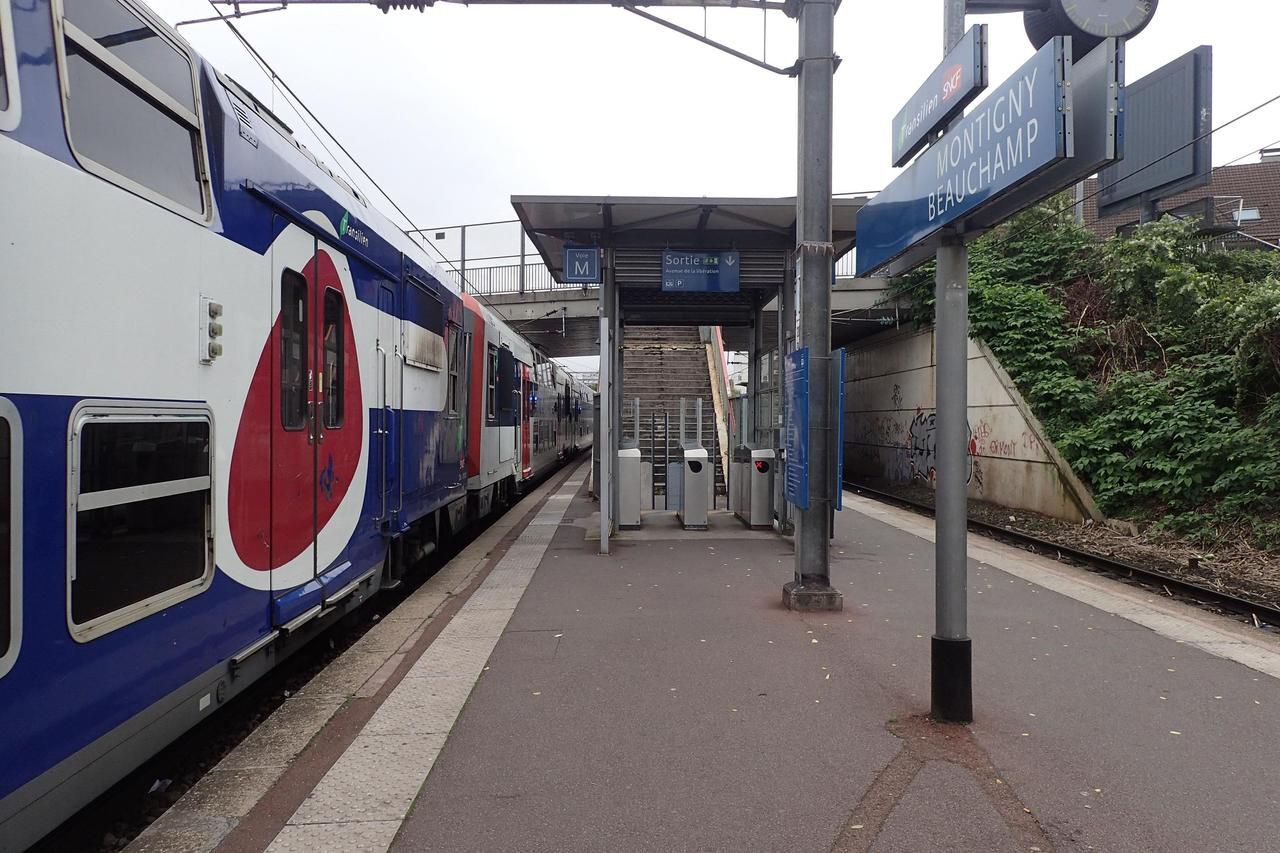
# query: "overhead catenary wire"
{"points": [[1101, 189], [306, 111]]}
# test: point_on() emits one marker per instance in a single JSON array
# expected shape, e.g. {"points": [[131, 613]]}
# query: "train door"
{"points": [[509, 410], [527, 396], [293, 438], [386, 445]]}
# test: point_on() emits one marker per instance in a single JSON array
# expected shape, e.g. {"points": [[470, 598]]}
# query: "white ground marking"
{"points": [[367, 793]]}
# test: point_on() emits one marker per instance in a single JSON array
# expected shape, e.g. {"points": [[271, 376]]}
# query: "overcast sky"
{"points": [[456, 109]]}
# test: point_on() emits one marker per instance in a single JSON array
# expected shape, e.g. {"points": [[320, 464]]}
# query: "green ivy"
{"points": [[1153, 363]]}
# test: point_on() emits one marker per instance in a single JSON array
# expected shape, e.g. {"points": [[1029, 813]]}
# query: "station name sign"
{"points": [[1019, 129], [700, 272], [960, 78]]}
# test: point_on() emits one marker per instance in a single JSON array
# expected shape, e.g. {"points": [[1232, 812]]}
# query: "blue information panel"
{"points": [[960, 78], [582, 264], [1017, 131], [796, 439], [700, 272]]}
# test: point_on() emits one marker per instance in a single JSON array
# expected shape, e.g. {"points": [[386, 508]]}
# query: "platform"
{"points": [[661, 699]]}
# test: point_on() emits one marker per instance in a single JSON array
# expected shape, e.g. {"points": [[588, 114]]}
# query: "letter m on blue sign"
{"points": [[582, 265]]}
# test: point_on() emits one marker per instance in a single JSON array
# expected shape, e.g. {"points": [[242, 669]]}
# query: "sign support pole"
{"points": [[786, 335], [951, 687], [811, 589]]}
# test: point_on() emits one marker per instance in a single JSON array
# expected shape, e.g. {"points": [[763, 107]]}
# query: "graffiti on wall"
{"points": [[922, 449]]}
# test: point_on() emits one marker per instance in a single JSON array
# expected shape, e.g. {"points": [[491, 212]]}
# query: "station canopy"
{"points": [[640, 229]]}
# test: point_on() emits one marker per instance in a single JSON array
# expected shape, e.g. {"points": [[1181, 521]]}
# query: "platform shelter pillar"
{"points": [[815, 254], [610, 410]]}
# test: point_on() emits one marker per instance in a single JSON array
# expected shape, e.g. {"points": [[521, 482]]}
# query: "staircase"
{"points": [[661, 364]]}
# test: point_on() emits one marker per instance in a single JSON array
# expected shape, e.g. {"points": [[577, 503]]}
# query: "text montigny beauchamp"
{"points": [[993, 141]]}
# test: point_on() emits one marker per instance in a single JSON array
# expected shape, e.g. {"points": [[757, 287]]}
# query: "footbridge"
{"points": [[563, 318]]}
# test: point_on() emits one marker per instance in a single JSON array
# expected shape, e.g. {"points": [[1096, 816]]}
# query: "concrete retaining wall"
{"points": [[889, 428]]}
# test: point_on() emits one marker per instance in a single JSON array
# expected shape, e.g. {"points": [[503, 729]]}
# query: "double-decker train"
{"points": [[240, 403]]}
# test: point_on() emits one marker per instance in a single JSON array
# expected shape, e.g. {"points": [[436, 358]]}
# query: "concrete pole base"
{"points": [[811, 598], [951, 682]]}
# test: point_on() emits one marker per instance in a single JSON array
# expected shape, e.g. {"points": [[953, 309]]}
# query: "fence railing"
{"points": [[493, 281]]}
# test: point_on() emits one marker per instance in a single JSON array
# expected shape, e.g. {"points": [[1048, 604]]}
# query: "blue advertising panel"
{"points": [[1019, 129], [700, 272], [960, 78], [796, 439], [838, 364], [582, 264]]}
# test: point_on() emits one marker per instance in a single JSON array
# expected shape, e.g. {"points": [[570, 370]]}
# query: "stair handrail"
{"points": [[718, 364]]}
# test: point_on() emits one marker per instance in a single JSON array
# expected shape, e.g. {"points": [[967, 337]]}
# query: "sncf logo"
{"points": [[953, 82]]}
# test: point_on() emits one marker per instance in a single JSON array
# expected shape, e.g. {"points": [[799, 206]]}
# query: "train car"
{"points": [[560, 422], [235, 400]]}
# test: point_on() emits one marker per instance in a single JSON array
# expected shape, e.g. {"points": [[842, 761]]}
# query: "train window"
{"points": [[10, 534], [4, 76], [455, 368], [334, 358], [117, 30], [131, 102], [493, 383], [424, 345], [423, 307], [293, 350], [142, 535], [5, 53], [10, 100], [6, 524]]}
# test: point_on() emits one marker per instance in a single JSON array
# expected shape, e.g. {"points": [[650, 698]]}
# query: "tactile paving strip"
{"points": [[423, 706], [361, 801], [366, 836], [375, 779]]}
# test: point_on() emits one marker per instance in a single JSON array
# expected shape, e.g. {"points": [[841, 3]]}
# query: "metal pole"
{"points": [[606, 469], [463, 261], [617, 382], [682, 423], [951, 686], [522, 238], [811, 589], [608, 404], [786, 334], [753, 382], [666, 459], [697, 413]]}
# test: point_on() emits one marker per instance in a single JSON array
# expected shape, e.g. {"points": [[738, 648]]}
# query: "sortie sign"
{"points": [[700, 272], [960, 78], [1017, 131]]}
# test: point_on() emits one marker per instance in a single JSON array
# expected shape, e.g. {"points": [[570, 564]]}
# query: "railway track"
{"points": [[1260, 615]]}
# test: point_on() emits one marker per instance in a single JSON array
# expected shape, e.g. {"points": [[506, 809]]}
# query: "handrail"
{"points": [[505, 279]]}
